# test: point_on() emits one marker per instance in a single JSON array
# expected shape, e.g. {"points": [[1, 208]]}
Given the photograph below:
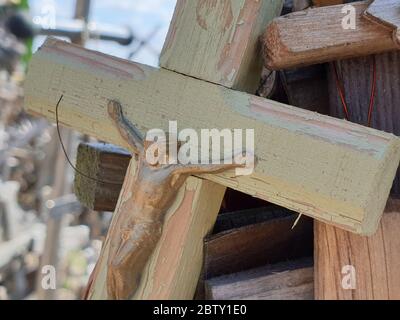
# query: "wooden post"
{"points": [[175, 266], [351, 267]]}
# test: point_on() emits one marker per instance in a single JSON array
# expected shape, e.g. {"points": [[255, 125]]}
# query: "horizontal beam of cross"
{"points": [[323, 167]]}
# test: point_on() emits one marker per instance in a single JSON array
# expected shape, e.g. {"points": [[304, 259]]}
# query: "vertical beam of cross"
{"points": [[222, 49]]}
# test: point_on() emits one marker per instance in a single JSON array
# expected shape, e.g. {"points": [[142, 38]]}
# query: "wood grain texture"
{"points": [[375, 259], [217, 40], [320, 166], [106, 164], [251, 238], [316, 35], [257, 244], [283, 281], [387, 14], [356, 77], [190, 218]]}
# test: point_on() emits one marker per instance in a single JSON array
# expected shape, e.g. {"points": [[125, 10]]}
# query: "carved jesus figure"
{"points": [[143, 203]]}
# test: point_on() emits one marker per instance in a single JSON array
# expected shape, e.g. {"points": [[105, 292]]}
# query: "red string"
{"points": [[340, 88], [372, 97], [341, 92]]}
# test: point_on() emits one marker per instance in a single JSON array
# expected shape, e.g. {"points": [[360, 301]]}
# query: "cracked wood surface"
{"points": [[218, 41]]}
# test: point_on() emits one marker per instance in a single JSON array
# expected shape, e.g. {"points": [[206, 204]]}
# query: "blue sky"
{"points": [[143, 16]]}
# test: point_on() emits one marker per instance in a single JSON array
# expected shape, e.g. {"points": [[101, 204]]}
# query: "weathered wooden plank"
{"points": [[386, 13], [217, 41], [284, 281], [250, 238], [106, 165], [320, 166], [376, 262], [356, 76], [257, 244], [316, 35]]}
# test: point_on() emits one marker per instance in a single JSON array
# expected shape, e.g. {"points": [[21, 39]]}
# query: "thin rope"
{"points": [[66, 155], [372, 97], [341, 92]]}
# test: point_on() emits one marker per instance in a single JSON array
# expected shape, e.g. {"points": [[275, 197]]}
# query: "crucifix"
{"points": [[143, 204], [319, 166]]}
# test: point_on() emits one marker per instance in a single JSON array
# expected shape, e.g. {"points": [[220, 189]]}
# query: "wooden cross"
{"points": [[144, 201], [320, 166]]}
